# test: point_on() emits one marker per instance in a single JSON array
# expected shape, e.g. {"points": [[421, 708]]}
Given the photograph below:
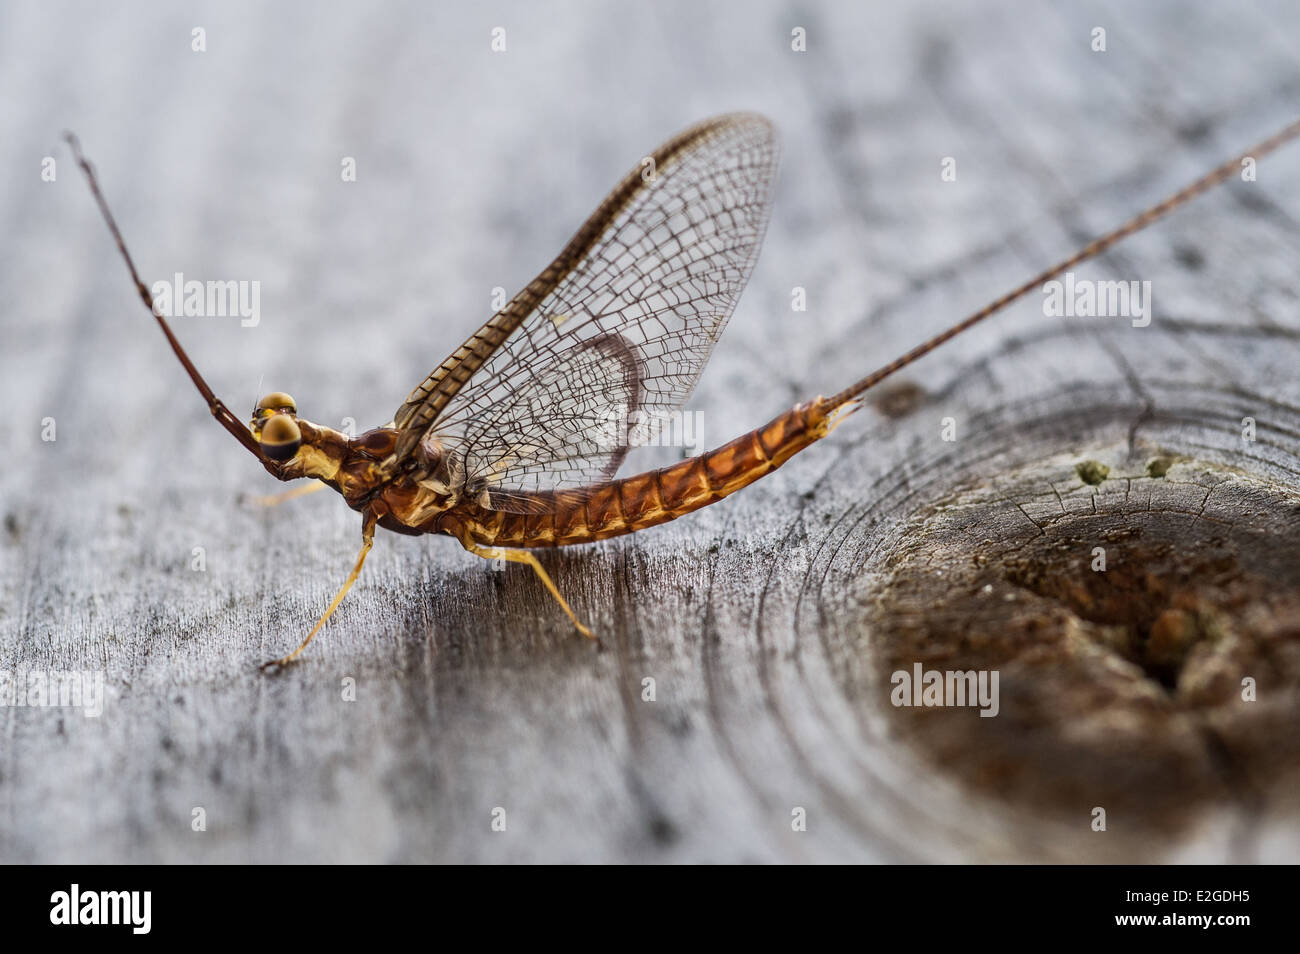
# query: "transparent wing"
{"points": [[599, 351]]}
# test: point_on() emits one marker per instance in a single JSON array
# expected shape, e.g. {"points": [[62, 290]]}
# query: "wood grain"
{"points": [[758, 619]]}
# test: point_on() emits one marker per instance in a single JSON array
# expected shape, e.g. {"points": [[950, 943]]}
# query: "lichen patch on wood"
{"points": [[1092, 472]]}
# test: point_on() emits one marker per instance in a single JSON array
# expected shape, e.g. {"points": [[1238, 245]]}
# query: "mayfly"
{"points": [[514, 442]]}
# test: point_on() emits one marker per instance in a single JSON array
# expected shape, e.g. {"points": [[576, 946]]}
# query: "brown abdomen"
{"points": [[644, 500]]}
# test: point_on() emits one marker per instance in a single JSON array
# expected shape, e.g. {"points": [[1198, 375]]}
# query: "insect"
{"points": [[514, 442]]}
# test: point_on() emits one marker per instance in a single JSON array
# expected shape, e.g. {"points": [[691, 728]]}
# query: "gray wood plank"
{"points": [[771, 622]]}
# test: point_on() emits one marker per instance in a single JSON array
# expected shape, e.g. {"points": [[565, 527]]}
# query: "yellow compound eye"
{"points": [[281, 437], [276, 402]]}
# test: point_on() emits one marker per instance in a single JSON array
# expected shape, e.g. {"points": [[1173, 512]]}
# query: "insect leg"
{"points": [[274, 500], [368, 540], [526, 556]]}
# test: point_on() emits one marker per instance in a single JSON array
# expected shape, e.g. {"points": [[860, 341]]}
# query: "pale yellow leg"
{"points": [[274, 500], [368, 540], [526, 556]]}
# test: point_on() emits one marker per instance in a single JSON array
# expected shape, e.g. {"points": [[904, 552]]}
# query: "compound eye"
{"points": [[275, 403], [281, 437]]}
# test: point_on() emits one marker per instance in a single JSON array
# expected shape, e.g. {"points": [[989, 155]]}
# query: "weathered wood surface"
{"points": [[759, 619]]}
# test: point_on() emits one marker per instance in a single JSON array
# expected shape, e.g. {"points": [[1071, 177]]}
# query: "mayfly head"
{"points": [[275, 425], [297, 447]]}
